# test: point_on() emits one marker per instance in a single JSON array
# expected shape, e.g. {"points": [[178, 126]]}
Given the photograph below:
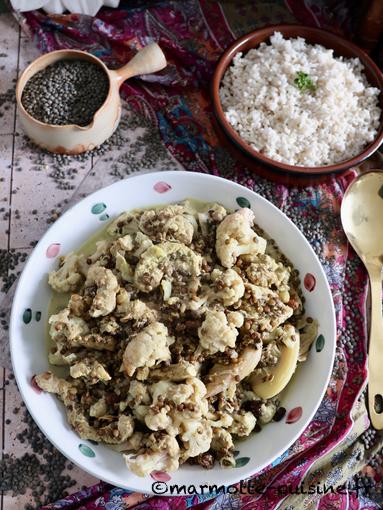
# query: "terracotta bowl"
{"points": [[341, 47]]}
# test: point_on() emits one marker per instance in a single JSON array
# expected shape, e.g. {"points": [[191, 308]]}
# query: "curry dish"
{"points": [[181, 329]]}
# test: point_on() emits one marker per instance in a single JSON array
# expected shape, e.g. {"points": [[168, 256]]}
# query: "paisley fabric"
{"points": [[337, 449]]}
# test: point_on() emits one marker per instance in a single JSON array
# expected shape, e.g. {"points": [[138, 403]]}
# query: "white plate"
{"points": [[29, 356]]}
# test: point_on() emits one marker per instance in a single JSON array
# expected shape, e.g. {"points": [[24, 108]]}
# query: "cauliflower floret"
{"points": [[179, 229], [214, 213], [67, 278], [134, 244], [98, 258], [138, 393], [199, 395], [142, 373], [177, 372], [235, 319], [270, 311], [267, 411], [223, 446], [116, 432], [167, 224], [220, 419], [104, 301], [176, 404], [125, 427], [158, 420], [140, 412], [177, 393], [147, 348], [162, 454], [52, 384], [64, 326], [95, 341], [109, 325], [197, 436], [77, 305], [141, 242], [125, 269], [242, 424], [165, 259], [228, 286], [215, 333], [284, 333], [235, 237], [133, 444], [264, 271], [99, 408], [137, 311], [89, 369], [126, 223], [123, 300], [122, 244], [58, 358], [271, 354]]}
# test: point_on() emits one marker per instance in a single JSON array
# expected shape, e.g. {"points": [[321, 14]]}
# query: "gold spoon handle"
{"points": [[375, 355]]}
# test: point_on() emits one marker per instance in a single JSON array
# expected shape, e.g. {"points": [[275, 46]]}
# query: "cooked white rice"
{"points": [[317, 127]]}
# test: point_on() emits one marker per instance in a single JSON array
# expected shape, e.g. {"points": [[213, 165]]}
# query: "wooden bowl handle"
{"points": [[149, 59]]}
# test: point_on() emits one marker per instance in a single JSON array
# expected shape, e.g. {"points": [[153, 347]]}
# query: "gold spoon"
{"points": [[362, 220]]}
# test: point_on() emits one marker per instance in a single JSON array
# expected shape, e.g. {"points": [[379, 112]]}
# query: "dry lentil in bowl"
{"points": [[180, 329], [66, 92]]}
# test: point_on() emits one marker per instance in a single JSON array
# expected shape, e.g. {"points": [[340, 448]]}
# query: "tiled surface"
{"points": [[29, 191], [6, 142], [9, 51]]}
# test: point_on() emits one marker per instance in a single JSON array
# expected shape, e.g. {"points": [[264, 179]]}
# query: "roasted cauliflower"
{"points": [[148, 347], [215, 333], [235, 237]]}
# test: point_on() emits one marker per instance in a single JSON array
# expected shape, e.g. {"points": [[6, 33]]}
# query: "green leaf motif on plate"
{"points": [[243, 202], [85, 450], [98, 208], [27, 316], [38, 316], [104, 217], [242, 461], [319, 344], [380, 192]]}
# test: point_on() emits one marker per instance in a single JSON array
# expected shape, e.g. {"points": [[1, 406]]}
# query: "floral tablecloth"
{"points": [[338, 448]]}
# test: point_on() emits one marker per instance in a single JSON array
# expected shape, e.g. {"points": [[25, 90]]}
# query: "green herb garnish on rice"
{"points": [[304, 82]]}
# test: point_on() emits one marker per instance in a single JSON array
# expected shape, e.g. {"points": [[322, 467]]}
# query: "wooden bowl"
{"points": [[341, 47]]}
